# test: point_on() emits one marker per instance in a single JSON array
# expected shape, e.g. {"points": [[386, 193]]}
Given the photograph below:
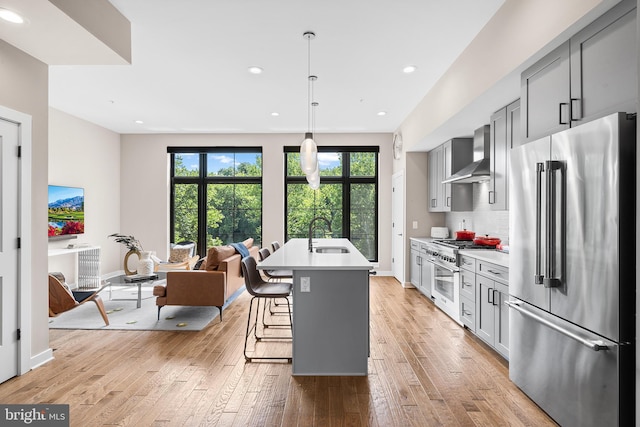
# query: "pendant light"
{"points": [[308, 148]]}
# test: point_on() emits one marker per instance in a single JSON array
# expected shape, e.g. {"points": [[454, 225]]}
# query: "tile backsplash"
{"points": [[482, 219]]}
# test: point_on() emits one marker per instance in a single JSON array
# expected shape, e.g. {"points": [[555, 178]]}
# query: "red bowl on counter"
{"points": [[465, 235], [486, 240]]}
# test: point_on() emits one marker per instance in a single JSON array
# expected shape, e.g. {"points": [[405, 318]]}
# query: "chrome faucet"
{"points": [[311, 229]]}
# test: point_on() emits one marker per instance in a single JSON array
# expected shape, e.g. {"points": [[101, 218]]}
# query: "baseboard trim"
{"points": [[42, 358]]}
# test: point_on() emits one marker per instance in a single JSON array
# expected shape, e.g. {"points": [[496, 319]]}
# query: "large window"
{"points": [[348, 196], [216, 195]]}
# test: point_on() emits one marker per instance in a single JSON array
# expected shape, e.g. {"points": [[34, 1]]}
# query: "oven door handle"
{"points": [[449, 269]]}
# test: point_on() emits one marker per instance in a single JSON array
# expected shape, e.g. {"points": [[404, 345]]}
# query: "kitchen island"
{"points": [[330, 305]]}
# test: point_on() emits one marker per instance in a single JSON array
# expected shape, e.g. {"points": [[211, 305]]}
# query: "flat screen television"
{"points": [[66, 211]]}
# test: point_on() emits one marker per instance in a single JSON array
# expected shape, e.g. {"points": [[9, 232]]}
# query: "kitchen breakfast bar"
{"points": [[330, 305]]}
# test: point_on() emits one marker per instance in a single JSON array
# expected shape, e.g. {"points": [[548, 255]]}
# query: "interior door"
{"points": [[9, 227], [397, 226]]}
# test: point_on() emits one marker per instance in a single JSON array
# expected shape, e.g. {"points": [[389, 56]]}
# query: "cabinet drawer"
{"points": [[468, 313], [468, 263], [468, 285], [493, 271], [415, 245]]}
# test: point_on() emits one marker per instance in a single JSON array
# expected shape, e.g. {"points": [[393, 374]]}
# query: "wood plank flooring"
{"points": [[424, 370]]}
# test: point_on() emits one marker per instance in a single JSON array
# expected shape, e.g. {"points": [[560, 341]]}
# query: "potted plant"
{"points": [[131, 243]]}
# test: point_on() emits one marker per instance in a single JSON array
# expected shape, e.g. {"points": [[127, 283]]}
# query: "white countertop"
{"points": [[295, 255], [487, 255], [423, 239]]}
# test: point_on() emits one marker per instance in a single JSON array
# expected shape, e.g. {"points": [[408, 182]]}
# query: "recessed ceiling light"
{"points": [[382, 113], [275, 114], [139, 122], [409, 69], [255, 70], [11, 16]]}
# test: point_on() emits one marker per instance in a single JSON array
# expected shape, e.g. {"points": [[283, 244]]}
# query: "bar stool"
{"points": [[261, 290], [274, 276], [263, 254]]}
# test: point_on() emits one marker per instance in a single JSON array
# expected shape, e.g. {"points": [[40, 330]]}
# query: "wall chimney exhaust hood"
{"points": [[480, 168]]}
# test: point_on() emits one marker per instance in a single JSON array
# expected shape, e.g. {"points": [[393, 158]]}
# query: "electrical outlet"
{"points": [[305, 284]]}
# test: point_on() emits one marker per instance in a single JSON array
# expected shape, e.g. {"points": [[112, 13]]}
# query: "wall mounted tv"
{"points": [[66, 212]]}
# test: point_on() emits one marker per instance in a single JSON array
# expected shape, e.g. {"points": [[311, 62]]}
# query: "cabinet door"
{"points": [[514, 128], [485, 316], [604, 76], [498, 161], [426, 276], [501, 337], [545, 95], [447, 158], [415, 268], [435, 161]]}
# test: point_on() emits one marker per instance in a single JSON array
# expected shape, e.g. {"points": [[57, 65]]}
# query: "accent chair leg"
{"points": [[220, 308], [159, 307], [96, 298]]}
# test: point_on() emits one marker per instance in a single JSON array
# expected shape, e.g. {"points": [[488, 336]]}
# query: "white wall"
{"points": [[82, 154], [145, 182], [24, 87]]}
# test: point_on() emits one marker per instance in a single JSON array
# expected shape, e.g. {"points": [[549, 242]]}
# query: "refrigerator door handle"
{"points": [[595, 345], [538, 277], [548, 280]]}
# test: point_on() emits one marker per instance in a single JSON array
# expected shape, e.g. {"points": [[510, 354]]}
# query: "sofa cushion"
{"points": [[180, 253], [216, 254]]}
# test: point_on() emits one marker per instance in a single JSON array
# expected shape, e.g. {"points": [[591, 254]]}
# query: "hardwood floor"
{"points": [[424, 370]]}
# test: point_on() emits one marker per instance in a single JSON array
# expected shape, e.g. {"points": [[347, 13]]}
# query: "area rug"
{"points": [[123, 315]]}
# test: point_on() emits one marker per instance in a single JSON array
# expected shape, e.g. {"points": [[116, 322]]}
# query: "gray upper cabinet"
{"points": [[591, 75], [445, 160], [436, 170], [545, 95], [604, 76], [505, 133]]}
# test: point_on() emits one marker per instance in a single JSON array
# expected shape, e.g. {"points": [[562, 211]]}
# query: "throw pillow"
{"points": [[248, 243], [179, 254], [216, 254]]}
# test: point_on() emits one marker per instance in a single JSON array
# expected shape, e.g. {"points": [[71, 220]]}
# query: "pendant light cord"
{"points": [[309, 82]]}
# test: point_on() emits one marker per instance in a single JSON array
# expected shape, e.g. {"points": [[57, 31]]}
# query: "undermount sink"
{"points": [[331, 250]]}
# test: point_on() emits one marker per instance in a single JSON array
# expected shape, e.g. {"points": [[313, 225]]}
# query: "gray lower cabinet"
{"points": [[415, 264], [468, 293], [492, 315], [591, 75], [421, 269]]}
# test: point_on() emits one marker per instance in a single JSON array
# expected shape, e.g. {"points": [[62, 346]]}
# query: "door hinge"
{"points": [[19, 243], [19, 334], [19, 150]]}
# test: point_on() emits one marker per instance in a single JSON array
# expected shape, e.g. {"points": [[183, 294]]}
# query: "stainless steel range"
{"points": [[443, 254]]}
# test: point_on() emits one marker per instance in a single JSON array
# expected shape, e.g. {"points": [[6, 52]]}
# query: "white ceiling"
{"points": [[190, 59]]}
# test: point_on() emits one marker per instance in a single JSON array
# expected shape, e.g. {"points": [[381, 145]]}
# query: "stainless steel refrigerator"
{"points": [[572, 272]]}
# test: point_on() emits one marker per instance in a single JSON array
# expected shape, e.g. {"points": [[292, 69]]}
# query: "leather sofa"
{"points": [[210, 286]]}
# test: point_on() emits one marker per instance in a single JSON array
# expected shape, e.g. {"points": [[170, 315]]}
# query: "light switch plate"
{"points": [[415, 225], [305, 284]]}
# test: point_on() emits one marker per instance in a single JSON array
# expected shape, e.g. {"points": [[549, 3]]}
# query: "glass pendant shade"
{"points": [[314, 180], [308, 155]]}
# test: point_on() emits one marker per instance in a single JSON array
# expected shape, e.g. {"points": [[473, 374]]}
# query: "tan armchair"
{"points": [[203, 287]]}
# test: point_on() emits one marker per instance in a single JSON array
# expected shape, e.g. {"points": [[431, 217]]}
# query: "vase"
{"points": [[145, 264], [126, 262]]}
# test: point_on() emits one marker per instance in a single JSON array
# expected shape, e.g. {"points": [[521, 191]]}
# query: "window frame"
{"points": [[202, 180], [344, 179]]}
